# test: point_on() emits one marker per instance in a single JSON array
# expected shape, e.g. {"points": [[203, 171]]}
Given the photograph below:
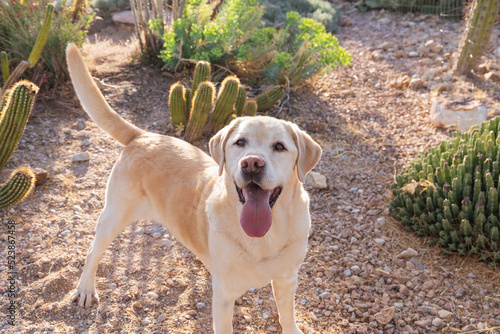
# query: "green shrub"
{"points": [[233, 38], [106, 7], [320, 10], [450, 193], [20, 25]]}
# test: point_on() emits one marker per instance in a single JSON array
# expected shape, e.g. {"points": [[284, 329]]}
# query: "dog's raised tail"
{"points": [[94, 103]]}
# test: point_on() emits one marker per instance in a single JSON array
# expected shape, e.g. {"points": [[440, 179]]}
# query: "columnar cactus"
{"points": [[42, 36], [202, 103], [480, 22], [4, 60], [202, 73], [268, 98], [250, 108], [240, 101], [224, 105], [178, 104], [16, 107], [450, 193]]}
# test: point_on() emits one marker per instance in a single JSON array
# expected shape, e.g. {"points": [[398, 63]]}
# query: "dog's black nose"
{"points": [[252, 164]]}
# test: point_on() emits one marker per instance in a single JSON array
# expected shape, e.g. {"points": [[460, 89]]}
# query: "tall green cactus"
{"points": [[42, 36], [177, 103], [4, 59], [202, 73], [268, 98], [480, 22], [450, 193], [224, 105], [240, 101], [16, 107], [250, 108], [201, 105]]}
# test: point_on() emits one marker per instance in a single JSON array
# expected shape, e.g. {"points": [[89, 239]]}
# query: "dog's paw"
{"points": [[85, 298]]}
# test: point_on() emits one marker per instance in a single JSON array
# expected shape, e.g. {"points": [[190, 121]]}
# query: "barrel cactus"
{"points": [[268, 98], [202, 103], [224, 105], [177, 103], [450, 193]]}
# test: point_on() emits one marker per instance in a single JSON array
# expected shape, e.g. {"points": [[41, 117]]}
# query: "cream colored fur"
{"points": [[178, 185]]}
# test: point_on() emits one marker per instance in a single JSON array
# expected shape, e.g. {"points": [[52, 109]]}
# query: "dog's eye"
{"points": [[240, 142], [279, 147]]}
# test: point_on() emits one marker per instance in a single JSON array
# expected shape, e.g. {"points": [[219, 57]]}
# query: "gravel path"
{"points": [[363, 273]]}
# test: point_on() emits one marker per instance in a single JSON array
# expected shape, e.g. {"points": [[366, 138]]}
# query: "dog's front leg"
{"points": [[222, 308], [284, 293]]}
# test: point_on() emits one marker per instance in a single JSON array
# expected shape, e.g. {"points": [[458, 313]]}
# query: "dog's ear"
{"points": [[217, 144], [309, 152]]}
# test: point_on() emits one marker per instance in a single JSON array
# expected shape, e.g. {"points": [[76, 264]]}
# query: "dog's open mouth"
{"points": [[256, 216]]}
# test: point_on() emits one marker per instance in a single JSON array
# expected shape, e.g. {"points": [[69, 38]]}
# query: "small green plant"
{"points": [[192, 114], [450, 193], [321, 11], [20, 23], [233, 38]]}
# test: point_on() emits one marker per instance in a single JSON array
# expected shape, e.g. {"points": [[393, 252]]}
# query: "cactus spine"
{"points": [[42, 36], [480, 23], [202, 103], [224, 105], [268, 98], [177, 104], [250, 108], [17, 187], [202, 73]]}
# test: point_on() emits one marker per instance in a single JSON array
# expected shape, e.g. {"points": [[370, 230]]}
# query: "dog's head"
{"points": [[262, 155]]}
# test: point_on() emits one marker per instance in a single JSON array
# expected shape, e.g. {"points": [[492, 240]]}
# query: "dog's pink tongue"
{"points": [[256, 213]]}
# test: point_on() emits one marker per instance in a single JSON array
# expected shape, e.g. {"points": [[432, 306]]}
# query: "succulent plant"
{"points": [[450, 193], [16, 107], [178, 104], [224, 105], [190, 109], [4, 60], [250, 108], [202, 103], [268, 98], [480, 22], [202, 73]]}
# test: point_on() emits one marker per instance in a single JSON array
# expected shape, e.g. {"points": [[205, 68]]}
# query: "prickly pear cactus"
{"points": [[450, 193], [177, 103], [202, 103], [267, 99]]}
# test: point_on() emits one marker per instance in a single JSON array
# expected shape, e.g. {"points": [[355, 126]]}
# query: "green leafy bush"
{"points": [[20, 25], [321, 11], [450, 193], [233, 38]]}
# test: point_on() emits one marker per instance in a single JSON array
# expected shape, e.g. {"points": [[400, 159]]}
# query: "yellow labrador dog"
{"points": [[243, 211]]}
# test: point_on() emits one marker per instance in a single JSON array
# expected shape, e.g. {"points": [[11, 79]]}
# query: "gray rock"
{"points": [[408, 253], [445, 315], [85, 142], [65, 233], [379, 241], [316, 180], [80, 157], [438, 323], [124, 17], [153, 295], [347, 272], [157, 229], [464, 112], [80, 125], [138, 231], [200, 306]]}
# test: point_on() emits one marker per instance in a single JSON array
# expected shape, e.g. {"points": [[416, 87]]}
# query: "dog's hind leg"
{"points": [[113, 220]]}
